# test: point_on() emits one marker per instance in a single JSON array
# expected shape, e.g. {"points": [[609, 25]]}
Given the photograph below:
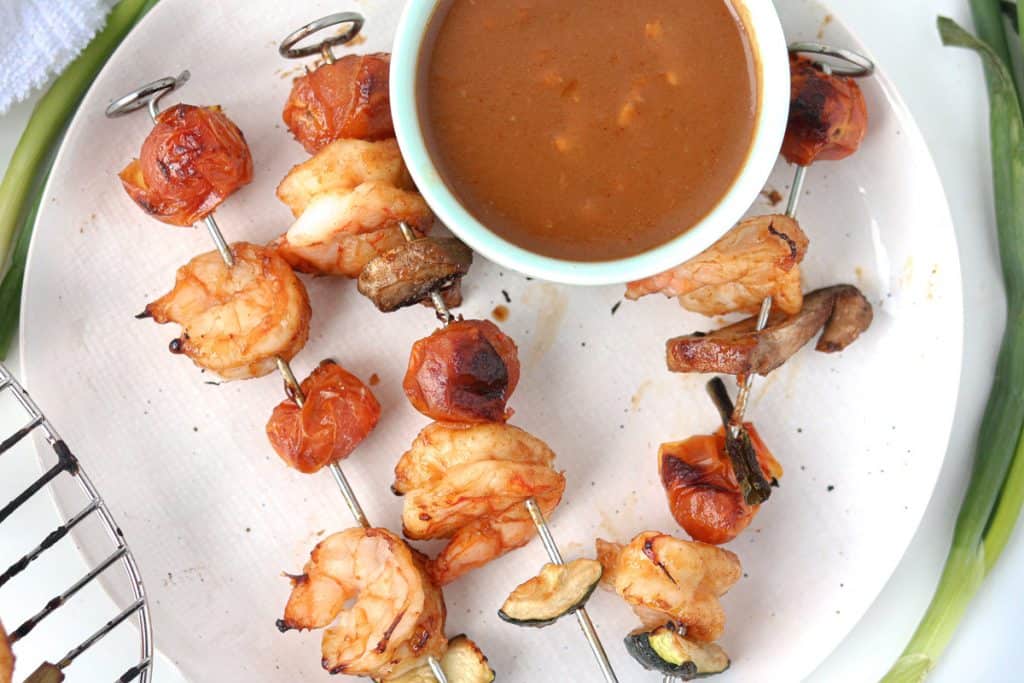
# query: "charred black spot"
{"points": [[383, 644], [807, 108], [164, 171], [481, 373], [653, 557], [794, 252], [334, 671], [676, 471]]}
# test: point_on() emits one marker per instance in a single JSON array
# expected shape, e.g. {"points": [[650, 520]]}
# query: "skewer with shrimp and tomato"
{"points": [[716, 483], [243, 313], [469, 477]]}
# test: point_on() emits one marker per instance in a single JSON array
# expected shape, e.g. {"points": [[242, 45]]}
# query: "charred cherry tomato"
{"points": [[190, 162], [827, 115], [339, 412], [703, 493], [464, 372], [346, 99]]}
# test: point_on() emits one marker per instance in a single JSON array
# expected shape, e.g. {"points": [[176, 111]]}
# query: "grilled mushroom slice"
{"points": [[407, 274], [740, 349]]}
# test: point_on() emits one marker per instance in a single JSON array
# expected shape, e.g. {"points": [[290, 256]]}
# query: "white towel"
{"points": [[39, 38]]}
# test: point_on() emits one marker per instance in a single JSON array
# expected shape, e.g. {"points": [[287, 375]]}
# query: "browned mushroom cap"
{"points": [[405, 275], [739, 349]]}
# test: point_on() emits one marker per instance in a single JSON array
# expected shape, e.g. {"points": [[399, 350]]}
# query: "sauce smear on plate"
{"points": [[590, 130]]}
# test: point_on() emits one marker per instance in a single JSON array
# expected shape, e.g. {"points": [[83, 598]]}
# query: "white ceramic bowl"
{"points": [[765, 32]]}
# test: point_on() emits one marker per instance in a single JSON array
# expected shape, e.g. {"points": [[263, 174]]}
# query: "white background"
{"points": [[944, 90]]}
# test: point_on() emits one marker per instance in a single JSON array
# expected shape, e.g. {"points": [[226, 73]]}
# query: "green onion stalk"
{"points": [[993, 500], [22, 185]]}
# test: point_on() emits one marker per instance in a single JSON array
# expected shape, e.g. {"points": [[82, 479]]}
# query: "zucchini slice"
{"points": [[558, 590], [665, 649], [463, 662]]}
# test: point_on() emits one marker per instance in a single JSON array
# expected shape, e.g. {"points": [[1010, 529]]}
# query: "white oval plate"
{"points": [[214, 517]]}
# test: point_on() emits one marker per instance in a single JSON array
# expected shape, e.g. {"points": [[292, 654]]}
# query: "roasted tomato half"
{"points": [[346, 99], [464, 372], [827, 115], [190, 162], [339, 412], [703, 493]]}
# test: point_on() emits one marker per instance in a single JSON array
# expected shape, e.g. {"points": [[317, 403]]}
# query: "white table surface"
{"points": [[945, 92]]}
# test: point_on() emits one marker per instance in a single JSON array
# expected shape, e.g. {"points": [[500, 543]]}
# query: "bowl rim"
{"points": [[765, 29]]}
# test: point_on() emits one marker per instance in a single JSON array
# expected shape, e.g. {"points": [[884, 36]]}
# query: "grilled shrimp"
{"points": [[480, 541], [482, 489], [664, 578], [441, 446], [236, 320], [759, 257], [342, 166], [469, 483], [381, 612], [340, 232]]}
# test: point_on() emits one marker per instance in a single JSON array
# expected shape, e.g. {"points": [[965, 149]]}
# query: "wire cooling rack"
{"points": [[67, 465]]}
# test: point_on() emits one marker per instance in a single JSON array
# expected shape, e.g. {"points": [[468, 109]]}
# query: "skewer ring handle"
{"points": [[289, 50], [145, 94], [850, 63]]}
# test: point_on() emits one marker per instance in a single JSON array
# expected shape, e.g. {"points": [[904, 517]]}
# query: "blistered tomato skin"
{"points": [[191, 161], [346, 99], [464, 372], [827, 115], [338, 413], [703, 494]]}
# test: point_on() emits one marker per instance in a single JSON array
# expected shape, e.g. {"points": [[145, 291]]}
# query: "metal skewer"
{"points": [[289, 50], [853, 65], [148, 95], [536, 514]]}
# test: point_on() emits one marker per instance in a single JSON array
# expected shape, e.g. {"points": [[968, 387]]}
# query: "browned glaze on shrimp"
{"points": [[346, 99], [758, 257], [668, 579], [468, 483], [190, 162], [369, 590], [236, 320]]}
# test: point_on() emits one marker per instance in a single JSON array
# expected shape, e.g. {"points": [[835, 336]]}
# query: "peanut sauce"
{"points": [[590, 130]]}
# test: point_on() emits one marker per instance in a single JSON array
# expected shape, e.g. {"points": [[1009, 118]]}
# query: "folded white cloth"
{"points": [[38, 38]]}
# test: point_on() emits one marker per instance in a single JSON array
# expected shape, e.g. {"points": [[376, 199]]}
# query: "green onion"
{"points": [[996, 491], [21, 187]]}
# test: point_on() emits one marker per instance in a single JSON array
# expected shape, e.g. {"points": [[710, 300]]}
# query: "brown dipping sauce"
{"points": [[593, 130]]}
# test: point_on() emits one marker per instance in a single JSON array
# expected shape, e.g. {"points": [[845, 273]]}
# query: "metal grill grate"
{"points": [[67, 465]]}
